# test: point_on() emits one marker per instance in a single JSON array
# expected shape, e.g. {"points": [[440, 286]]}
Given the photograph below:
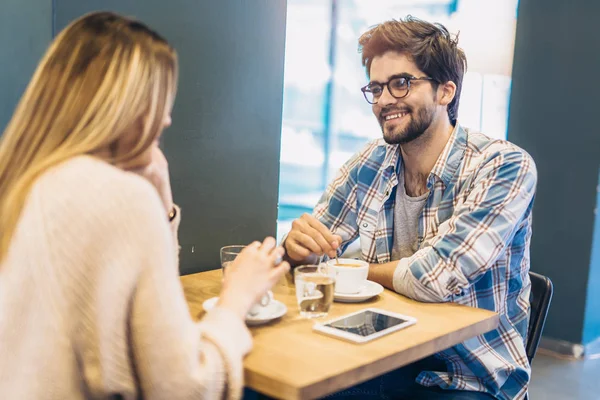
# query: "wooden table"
{"points": [[290, 361]]}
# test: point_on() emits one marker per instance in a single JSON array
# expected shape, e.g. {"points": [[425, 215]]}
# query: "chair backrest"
{"points": [[541, 295]]}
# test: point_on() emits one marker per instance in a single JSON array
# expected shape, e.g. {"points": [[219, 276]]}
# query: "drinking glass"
{"points": [[315, 285], [229, 253]]}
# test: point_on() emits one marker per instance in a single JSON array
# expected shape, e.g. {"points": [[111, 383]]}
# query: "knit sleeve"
{"points": [[174, 357]]}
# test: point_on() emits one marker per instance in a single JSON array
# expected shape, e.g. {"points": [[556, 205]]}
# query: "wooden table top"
{"points": [[291, 361]]}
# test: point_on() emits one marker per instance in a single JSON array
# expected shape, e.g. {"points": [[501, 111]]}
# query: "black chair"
{"points": [[541, 295]]}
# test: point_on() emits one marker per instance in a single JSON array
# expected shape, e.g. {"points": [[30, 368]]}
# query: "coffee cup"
{"points": [[350, 275], [260, 305]]}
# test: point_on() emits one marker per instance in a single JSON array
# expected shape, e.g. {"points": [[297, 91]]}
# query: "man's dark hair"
{"points": [[429, 46]]}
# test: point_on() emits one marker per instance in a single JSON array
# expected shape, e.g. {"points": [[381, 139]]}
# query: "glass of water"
{"points": [[229, 253], [315, 285]]}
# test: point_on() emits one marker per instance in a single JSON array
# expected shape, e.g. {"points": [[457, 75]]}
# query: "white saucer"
{"points": [[274, 310], [371, 289]]}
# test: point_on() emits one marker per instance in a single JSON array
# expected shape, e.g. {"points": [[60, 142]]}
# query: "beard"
{"points": [[419, 122]]}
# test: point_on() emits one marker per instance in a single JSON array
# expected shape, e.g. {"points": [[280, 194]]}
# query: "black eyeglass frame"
{"points": [[367, 89]]}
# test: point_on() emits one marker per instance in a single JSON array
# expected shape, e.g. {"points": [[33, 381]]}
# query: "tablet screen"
{"points": [[365, 323]]}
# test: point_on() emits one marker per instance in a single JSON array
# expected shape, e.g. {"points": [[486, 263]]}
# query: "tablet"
{"points": [[365, 325]]}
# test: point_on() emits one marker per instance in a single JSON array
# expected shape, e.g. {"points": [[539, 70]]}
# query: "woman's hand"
{"points": [[157, 173], [254, 271]]}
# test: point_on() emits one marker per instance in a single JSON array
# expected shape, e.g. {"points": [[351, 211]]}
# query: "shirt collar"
{"points": [[449, 160], [392, 156], [447, 163]]}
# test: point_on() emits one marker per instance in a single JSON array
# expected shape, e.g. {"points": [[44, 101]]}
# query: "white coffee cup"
{"points": [[261, 304], [350, 275]]}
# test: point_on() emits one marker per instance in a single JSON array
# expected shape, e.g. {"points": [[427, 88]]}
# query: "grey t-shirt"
{"points": [[406, 221]]}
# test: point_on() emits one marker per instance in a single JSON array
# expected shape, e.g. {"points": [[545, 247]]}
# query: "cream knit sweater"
{"points": [[90, 299]]}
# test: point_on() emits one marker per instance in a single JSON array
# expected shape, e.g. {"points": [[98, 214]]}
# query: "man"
{"points": [[442, 214]]}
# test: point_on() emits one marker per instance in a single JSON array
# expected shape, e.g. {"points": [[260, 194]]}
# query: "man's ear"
{"points": [[446, 93]]}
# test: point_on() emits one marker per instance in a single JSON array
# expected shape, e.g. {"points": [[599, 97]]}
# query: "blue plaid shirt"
{"points": [[473, 246]]}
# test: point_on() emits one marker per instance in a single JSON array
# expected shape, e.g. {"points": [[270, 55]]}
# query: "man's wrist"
{"points": [[286, 256]]}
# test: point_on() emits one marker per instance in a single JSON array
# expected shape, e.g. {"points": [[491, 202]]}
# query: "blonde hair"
{"points": [[101, 76]]}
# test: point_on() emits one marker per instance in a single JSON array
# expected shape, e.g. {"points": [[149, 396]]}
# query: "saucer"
{"points": [[274, 310], [371, 289]]}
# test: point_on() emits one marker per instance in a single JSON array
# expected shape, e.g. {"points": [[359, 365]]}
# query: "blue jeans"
{"points": [[399, 384]]}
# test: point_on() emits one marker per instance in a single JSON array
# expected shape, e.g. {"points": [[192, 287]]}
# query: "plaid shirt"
{"points": [[474, 236]]}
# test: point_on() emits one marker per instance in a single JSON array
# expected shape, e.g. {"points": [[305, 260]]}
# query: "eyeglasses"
{"points": [[398, 88]]}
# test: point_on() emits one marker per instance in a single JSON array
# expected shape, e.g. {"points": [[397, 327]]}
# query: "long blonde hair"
{"points": [[101, 75]]}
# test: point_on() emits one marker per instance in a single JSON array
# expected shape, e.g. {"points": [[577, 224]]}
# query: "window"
{"points": [[325, 117]]}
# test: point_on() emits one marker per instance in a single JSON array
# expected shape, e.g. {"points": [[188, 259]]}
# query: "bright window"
{"points": [[325, 117]]}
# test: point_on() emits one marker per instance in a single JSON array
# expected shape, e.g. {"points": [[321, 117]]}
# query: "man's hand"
{"points": [[310, 238]]}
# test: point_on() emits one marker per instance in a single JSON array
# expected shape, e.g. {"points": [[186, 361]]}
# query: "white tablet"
{"points": [[365, 325]]}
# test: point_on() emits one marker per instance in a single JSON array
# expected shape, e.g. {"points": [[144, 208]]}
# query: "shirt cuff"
{"points": [[406, 284], [401, 279]]}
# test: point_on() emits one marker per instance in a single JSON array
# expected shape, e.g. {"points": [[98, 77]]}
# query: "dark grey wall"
{"points": [[554, 116], [25, 32], [223, 147]]}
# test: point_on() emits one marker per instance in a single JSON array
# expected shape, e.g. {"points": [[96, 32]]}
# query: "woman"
{"points": [[90, 301]]}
